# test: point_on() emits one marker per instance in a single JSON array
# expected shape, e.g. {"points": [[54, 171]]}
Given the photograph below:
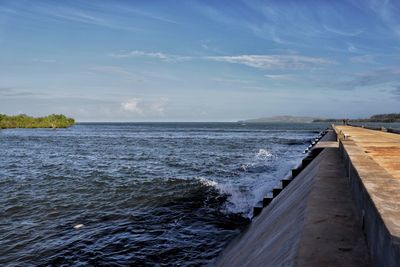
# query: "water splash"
{"points": [[263, 154]]}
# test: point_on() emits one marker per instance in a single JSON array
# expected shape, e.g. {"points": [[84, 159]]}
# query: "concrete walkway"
{"points": [[372, 161], [382, 147], [311, 223]]}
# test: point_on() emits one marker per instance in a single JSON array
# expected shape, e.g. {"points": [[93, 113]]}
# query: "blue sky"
{"points": [[199, 60]]}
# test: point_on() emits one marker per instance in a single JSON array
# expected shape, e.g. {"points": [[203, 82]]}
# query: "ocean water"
{"points": [[139, 194]]}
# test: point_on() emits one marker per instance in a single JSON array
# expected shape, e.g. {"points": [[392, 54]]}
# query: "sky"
{"points": [[199, 60]]}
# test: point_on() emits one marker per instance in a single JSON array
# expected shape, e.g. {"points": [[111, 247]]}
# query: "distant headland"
{"points": [[388, 118], [392, 117], [285, 118], [25, 121]]}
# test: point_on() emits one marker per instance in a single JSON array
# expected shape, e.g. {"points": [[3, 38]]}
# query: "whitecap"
{"points": [[263, 154]]}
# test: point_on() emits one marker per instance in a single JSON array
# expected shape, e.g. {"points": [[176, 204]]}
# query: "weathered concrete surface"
{"points": [[382, 147], [332, 234], [372, 161], [311, 223]]}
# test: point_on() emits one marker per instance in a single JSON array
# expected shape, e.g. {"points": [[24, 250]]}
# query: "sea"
{"points": [[137, 194]]}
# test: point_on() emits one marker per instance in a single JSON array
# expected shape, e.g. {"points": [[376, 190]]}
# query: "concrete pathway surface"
{"points": [[372, 160], [382, 147], [332, 233]]}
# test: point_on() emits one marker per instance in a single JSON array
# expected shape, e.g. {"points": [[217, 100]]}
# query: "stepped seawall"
{"points": [[340, 207]]}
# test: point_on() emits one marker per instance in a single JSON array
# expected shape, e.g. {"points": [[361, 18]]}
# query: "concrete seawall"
{"points": [[342, 209], [312, 222], [372, 161]]}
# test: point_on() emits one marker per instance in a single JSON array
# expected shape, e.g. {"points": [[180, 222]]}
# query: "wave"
{"points": [[291, 141], [229, 197]]}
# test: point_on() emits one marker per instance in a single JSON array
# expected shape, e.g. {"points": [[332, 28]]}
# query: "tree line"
{"points": [[25, 121], [392, 117]]}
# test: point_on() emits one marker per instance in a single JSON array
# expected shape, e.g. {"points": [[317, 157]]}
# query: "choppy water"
{"points": [[137, 194]]}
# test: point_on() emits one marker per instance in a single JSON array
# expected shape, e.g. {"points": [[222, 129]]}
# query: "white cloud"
{"points": [[149, 107], [273, 61], [155, 55], [231, 80], [132, 105], [291, 61], [351, 48], [280, 77], [159, 105]]}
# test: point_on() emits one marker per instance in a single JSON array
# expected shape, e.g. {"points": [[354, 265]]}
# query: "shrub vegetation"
{"points": [[25, 121]]}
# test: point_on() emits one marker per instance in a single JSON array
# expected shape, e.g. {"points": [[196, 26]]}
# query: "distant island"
{"points": [[388, 118], [285, 118], [25, 121]]}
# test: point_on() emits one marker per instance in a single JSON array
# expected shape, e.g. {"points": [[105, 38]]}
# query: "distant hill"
{"points": [[392, 117], [286, 118]]}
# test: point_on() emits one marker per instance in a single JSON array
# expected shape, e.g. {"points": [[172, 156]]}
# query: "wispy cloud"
{"points": [[388, 11], [274, 61], [232, 81], [209, 46], [71, 14], [90, 15], [280, 77], [136, 75], [159, 105], [116, 70], [111, 70], [12, 92], [364, 59], [343, 32], [269, 32], [290, 61], [150, 15], [396, 91], [79, 16], [375, 77], [352, 48], [8, 11], [155, 55]]}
